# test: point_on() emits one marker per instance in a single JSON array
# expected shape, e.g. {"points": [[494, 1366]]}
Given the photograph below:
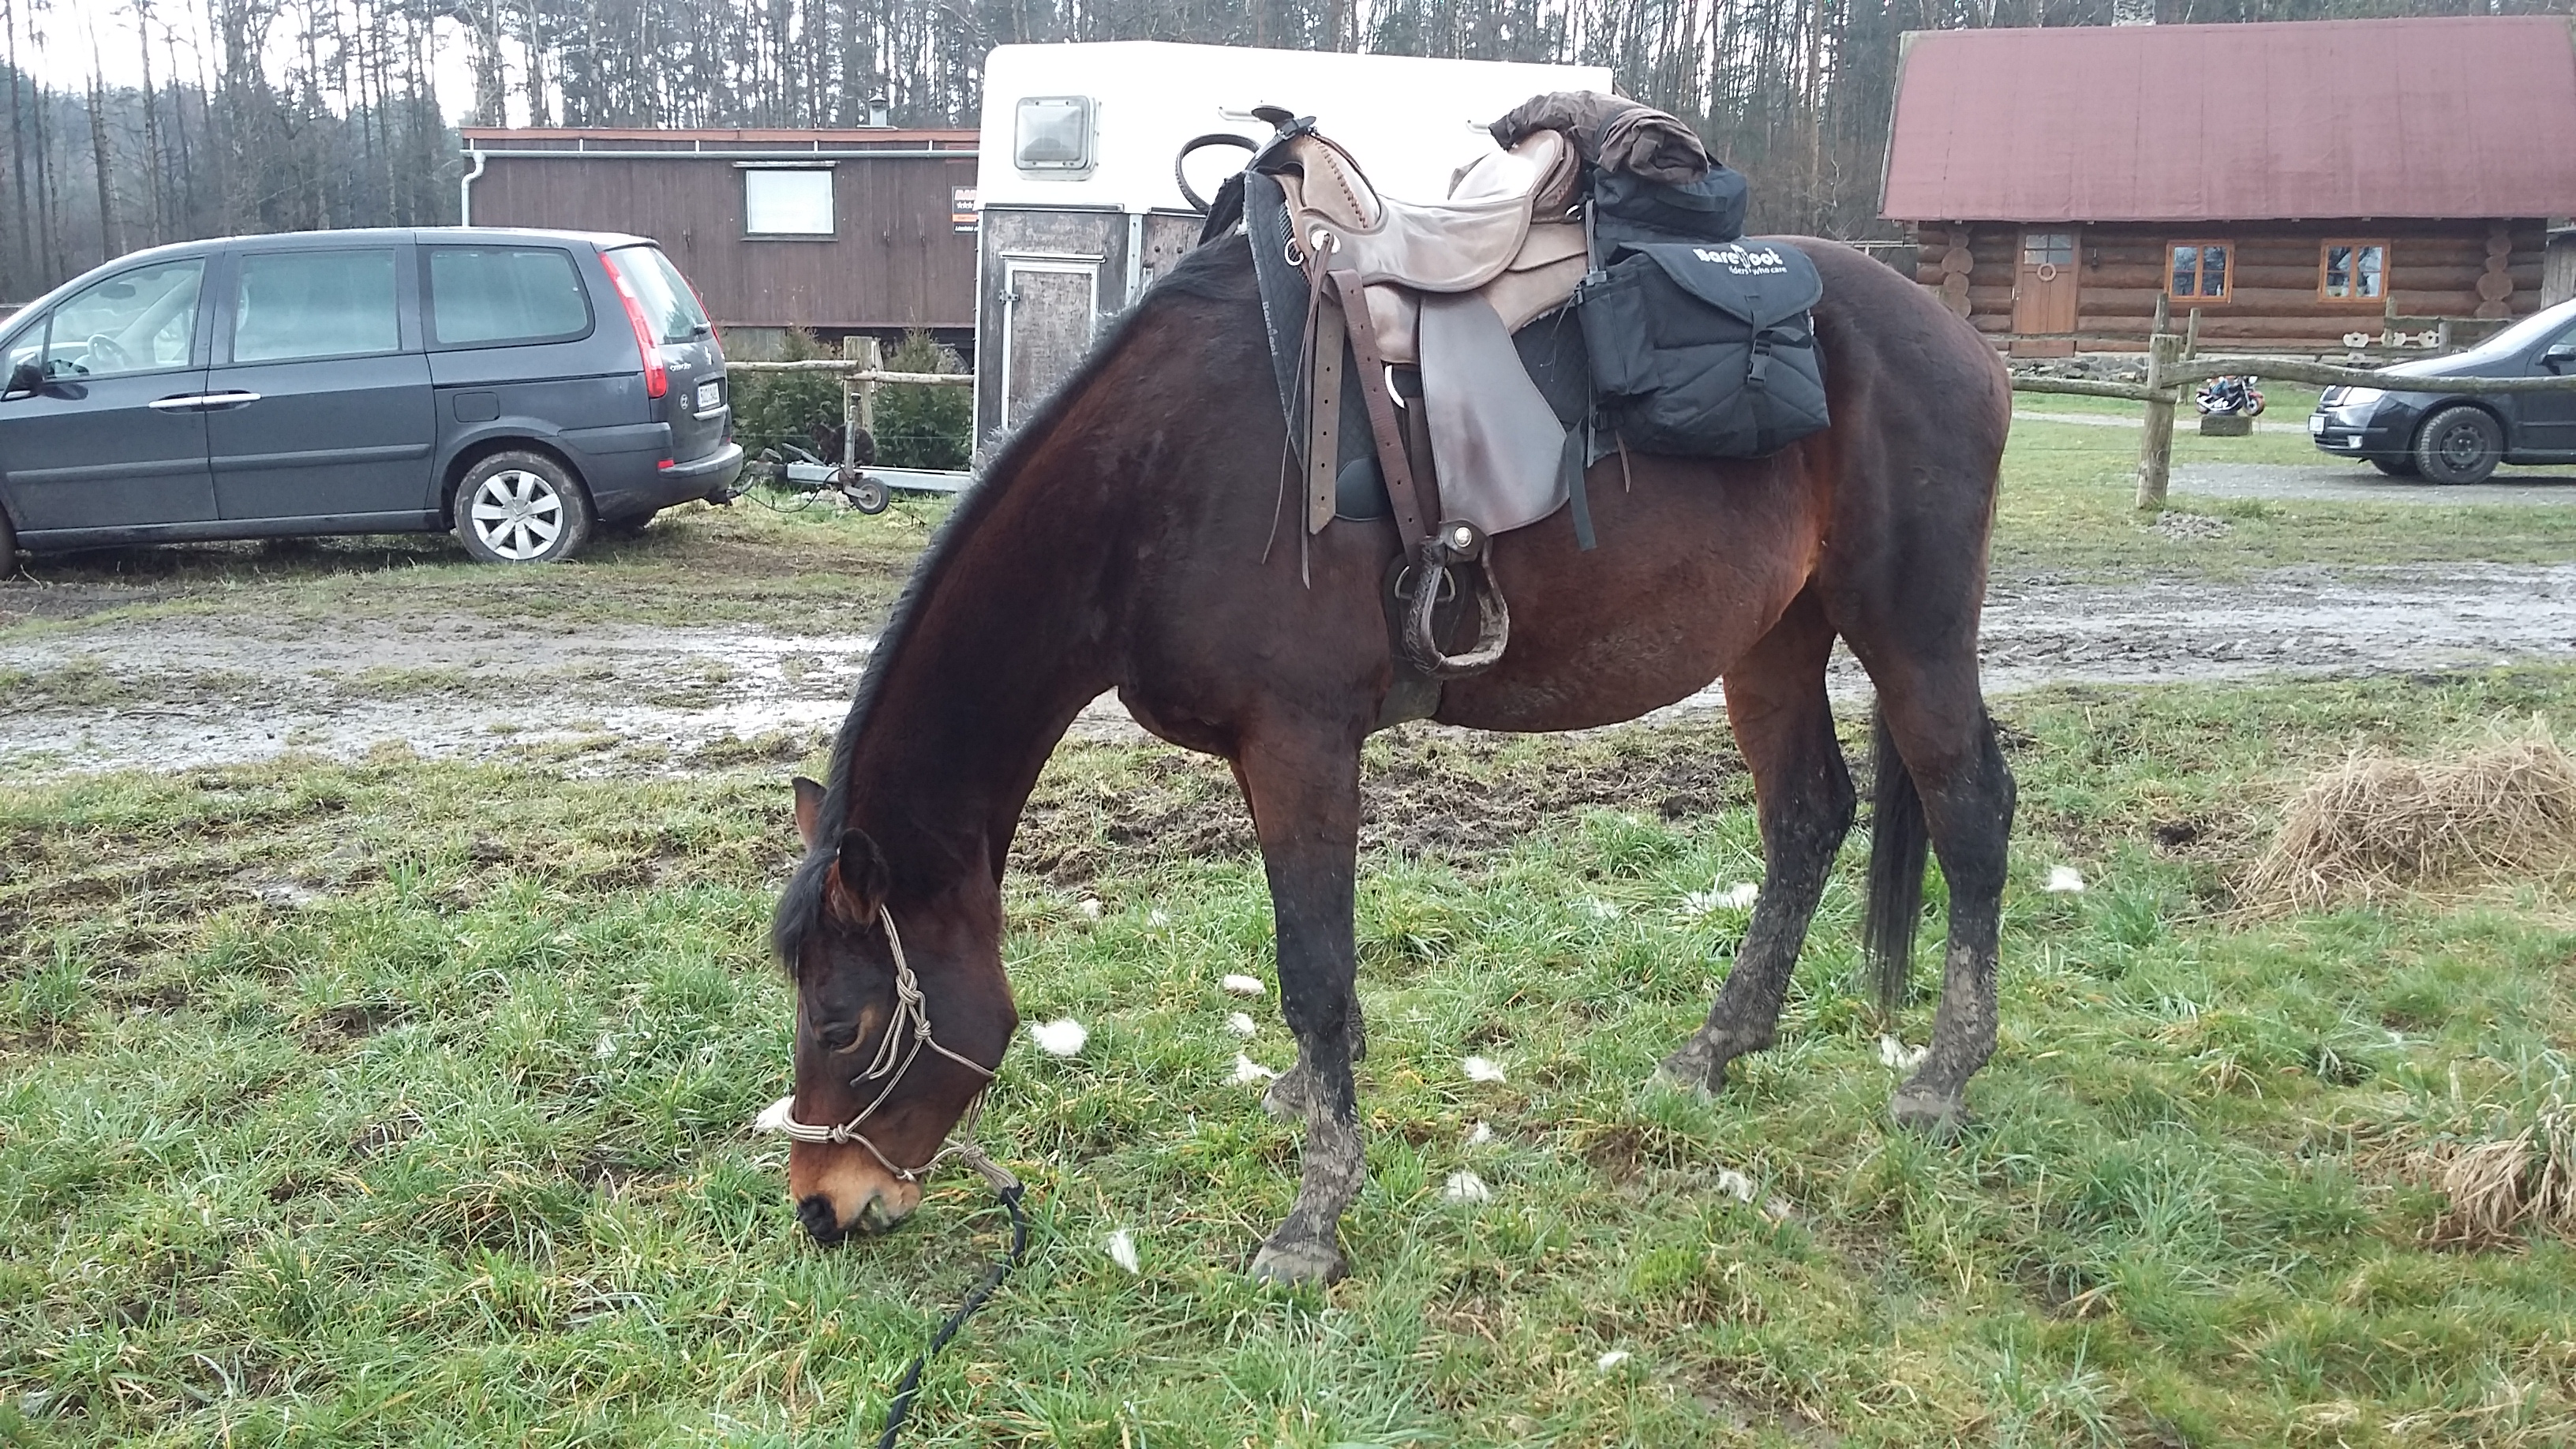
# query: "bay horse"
{"points": [[1123, 538]]}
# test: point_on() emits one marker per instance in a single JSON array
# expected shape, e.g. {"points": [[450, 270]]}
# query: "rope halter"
{"points": [[906, 1035]]}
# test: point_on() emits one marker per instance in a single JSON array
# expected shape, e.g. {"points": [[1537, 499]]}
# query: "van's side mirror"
{"points": [[2558, 355], [25, 378]]}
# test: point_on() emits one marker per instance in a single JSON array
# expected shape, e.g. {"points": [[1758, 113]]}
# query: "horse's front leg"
{"points": [[1304, 791]]}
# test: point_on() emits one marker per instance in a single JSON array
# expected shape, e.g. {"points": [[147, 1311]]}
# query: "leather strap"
{"points": [[1324, 422], [1410, 524]]}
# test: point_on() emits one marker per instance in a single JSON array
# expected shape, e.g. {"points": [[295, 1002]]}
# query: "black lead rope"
{"points": [[911, 1385]]}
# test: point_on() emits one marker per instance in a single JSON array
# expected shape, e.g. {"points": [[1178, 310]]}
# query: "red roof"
{"points": [[2459, 116]]}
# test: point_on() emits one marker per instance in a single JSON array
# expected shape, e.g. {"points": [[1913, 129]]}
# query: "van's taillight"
{"points": [[657, 379]]}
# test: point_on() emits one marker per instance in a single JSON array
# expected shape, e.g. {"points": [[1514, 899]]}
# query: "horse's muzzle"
{"points": [[823, 1222]]}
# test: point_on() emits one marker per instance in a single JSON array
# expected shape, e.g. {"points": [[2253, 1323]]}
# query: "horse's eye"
{"points": [[840, 1038]]}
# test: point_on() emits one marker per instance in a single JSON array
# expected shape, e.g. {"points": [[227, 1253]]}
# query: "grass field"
{"points": [[405, 1103]]}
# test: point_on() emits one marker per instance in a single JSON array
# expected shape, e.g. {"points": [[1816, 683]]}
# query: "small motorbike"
{"points": [[2229, 397]]}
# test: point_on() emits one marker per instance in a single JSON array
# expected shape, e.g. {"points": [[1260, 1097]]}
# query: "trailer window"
{"points": [[1053, 134], [787, 203]]}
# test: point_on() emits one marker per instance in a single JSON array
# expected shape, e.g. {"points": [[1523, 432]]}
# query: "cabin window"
{"points": [[787, 202], [2352, 271], [2199, 270], [1052, 134]]}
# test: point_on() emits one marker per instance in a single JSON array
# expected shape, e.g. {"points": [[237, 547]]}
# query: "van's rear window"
{"points": [[499, 295], [670, 308]]}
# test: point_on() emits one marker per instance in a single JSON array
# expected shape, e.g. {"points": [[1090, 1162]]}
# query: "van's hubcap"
{"points": [[517, 514]]}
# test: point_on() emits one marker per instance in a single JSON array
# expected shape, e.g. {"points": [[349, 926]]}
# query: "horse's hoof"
{"points": [[1937, 1115], [1298, 1265], [1694, 1068], [1285, 1101]]}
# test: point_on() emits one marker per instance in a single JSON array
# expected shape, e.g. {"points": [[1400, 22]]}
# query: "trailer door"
{"points": [[1050, 306]]}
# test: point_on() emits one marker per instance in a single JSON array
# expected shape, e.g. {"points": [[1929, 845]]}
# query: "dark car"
{"points": [[2461, 437], [518, 387]]}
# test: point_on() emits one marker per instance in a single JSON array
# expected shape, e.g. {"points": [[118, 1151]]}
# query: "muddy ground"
{"points": [[194, 690]]}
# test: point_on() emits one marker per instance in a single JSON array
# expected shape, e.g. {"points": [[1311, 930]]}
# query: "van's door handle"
{"points": [[198, 402]]}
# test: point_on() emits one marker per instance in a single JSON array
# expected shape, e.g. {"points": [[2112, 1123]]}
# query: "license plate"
{"points": [[2316, 424], [710, 396]]}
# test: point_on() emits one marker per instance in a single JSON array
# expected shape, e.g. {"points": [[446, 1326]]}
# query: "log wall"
{"points": [[2435, 269]]}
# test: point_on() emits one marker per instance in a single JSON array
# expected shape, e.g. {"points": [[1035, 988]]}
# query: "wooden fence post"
{"points": [[2155, 450], [858, 401]]}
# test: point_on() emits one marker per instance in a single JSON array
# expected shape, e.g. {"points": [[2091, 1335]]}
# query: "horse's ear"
{"points": [[809, 810], [860, 879]]}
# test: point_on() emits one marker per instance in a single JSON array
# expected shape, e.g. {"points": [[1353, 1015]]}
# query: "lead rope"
{"points": [[1009, 1190]]}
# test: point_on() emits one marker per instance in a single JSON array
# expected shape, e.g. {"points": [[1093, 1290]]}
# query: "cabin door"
{"points": [[1050, 307], [2044, 288]]}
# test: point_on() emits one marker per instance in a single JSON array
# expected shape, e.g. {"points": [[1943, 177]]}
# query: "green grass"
{"points": [[404, 1103]]}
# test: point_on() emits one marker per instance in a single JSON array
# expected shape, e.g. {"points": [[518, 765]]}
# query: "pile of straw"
{"points": [[2380, 823], [2495, 1188]]}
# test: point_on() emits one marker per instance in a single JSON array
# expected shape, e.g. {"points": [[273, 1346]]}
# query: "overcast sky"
{"points": [[74, 33]]}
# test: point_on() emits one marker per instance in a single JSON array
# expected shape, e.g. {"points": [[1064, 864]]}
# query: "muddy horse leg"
{"points": [[1775, 700], [1934, 716], [1305, 799]]}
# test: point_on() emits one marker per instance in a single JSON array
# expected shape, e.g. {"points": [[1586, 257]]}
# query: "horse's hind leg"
{"points": [[1305, 797], [1935, 715], [1775, 699]]}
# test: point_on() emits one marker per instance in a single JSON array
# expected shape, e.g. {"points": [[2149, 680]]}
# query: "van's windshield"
{"points": [[670, 308]]}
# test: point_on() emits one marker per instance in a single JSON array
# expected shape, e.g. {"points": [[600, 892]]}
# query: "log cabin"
{"points": [[2296, 183]]}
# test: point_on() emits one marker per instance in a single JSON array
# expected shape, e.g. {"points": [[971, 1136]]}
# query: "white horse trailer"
{"points": [[1079, 202]]}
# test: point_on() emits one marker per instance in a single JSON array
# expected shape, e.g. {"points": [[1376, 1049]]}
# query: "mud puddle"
{"points": [[186, 692]]}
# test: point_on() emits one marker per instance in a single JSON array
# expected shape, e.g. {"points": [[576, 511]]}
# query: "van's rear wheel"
{"points": [[521, 508]]}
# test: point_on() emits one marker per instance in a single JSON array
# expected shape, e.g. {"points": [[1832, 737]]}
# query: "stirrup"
{"points": [[1457, 555]]}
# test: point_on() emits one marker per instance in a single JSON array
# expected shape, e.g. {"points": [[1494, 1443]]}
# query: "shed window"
{"points": [[787, 203], [2199, 270], [2352, 271]]}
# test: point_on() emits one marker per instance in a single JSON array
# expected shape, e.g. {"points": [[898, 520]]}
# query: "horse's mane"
{"points": [[1219, 271]]}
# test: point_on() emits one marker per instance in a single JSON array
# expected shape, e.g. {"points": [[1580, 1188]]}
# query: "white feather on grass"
{"points": [[1122, 1250], [1735, 1184], [1059, 1038], [1242, 985], [1465, 1186], [1247, 1071], [1896, 1056], [1608, 1361], [1479, 1135], [1481, 1069], [2064, 880], [1241, 1024]]}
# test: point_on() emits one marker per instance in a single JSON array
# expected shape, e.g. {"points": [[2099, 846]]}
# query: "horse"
{"points": [[1129, 536]]}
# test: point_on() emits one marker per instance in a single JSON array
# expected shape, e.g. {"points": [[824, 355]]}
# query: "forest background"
{"points": [[134, 122]]}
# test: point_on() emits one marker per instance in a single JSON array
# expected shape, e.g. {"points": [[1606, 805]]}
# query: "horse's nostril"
{"points": [[820, 1221]]}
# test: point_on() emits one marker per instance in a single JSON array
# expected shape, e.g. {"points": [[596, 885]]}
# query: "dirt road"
{"points": [[186, 691]]}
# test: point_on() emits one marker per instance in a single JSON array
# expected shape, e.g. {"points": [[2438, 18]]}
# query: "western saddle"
{"points": [[1438, 288]]}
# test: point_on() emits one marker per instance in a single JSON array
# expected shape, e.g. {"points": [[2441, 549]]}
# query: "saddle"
{"points": [[1437, 288]]}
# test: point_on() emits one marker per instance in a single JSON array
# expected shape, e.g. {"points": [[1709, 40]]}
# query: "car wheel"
{"points": [[521, 508], [2402, 466], [2459, 444]]}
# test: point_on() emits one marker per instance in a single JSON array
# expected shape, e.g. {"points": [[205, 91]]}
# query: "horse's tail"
{"points": [[1898, 843]]}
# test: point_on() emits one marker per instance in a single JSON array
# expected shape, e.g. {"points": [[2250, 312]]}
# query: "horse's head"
{"points": [[902, 1015]]}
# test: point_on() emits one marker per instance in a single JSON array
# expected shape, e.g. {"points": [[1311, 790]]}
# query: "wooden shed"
{"points": [[862, 230], [2297, 183]]}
